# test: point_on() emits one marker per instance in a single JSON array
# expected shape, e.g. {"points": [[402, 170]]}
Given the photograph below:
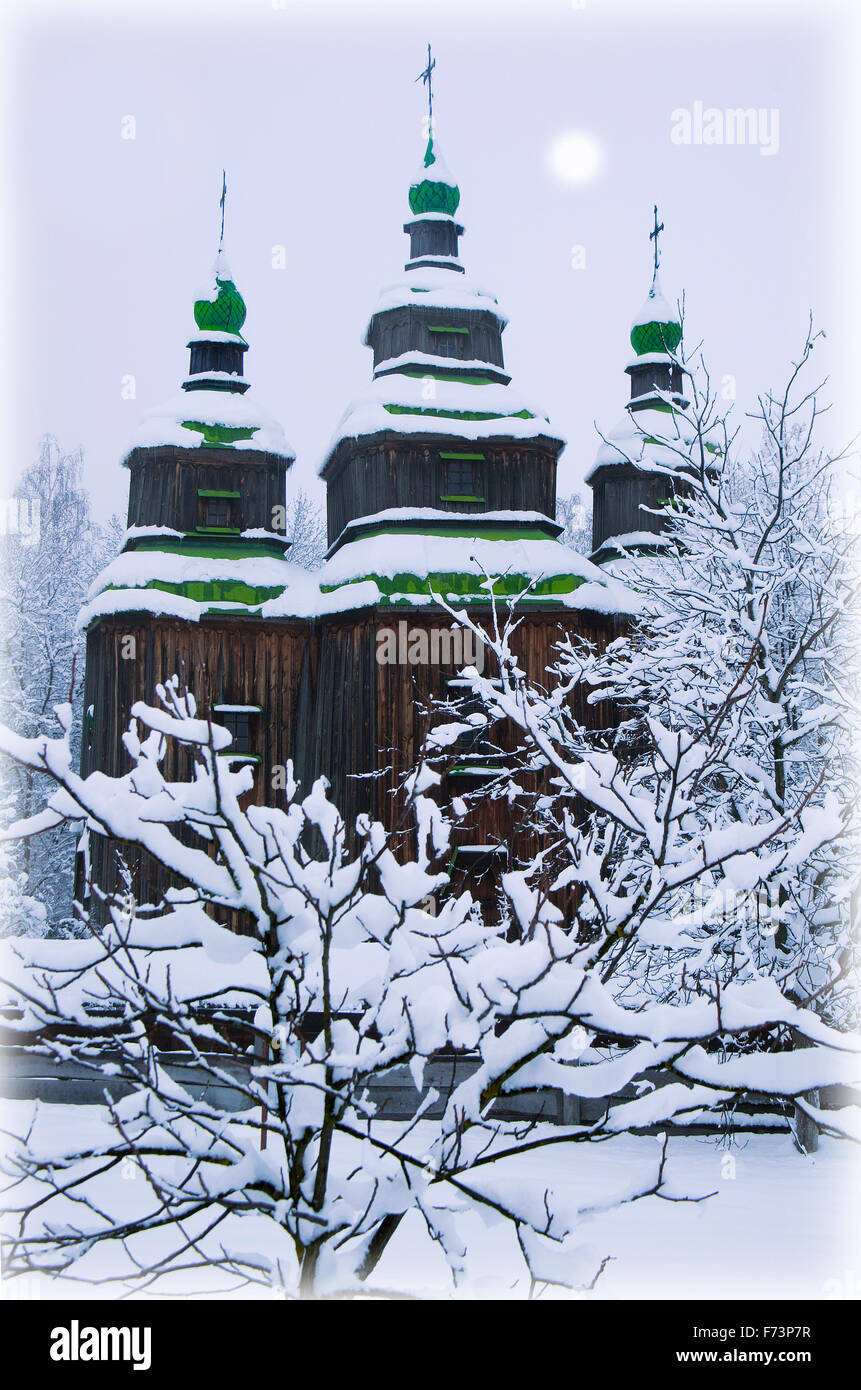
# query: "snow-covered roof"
{"points": [[401, 404], [433, 514], [430, 359], [647, 439], [195, 381], [166, 423], [216, 335], [398, 557], [435, 289], [649, 359], [388, 567], [134, 568]]}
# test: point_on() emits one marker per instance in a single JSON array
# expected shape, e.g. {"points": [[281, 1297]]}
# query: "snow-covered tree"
{"points": [[576, 519], [347, 978], [49, 553], [755, 600], [306, 529]]}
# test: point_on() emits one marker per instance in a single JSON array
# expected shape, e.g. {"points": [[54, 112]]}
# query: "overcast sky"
{"points": [[314, 112]]}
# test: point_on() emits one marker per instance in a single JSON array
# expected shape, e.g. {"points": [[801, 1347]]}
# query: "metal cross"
{"points": [[222, 200], [653, 236], [425, 77]]}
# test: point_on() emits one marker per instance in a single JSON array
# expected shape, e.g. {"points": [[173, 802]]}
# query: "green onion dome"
{"points": [[434, 190], [223, 311], [656, 328]]}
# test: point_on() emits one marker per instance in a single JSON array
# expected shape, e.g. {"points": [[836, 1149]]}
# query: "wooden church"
{"points": [[438, 476]]}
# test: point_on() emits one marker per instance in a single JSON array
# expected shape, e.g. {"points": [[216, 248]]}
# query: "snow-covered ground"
{"points": [[784, 1226], [780, 1225]]}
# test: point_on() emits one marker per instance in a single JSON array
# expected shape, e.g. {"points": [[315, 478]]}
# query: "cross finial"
{"points": [[221, 202], [425, 76], [653, 236]]}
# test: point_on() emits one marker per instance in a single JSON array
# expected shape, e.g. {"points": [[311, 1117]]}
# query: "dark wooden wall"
{"points": [[327, 704], [164, 483], [428, 237], [619, 492], [406, 329], [511, 477]]}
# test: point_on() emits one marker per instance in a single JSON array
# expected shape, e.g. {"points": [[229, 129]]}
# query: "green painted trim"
{"points": [[450, 497], [219, 530], [246, 757], [210, 492], [223, 590], [462, 456], [220, 436], [467, 531], [475, 770], [471, 378], [212, 590], [194, 544], [458, 414], [463, 585], [445, 328]]}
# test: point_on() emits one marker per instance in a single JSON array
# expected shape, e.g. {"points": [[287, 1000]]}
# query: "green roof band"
{"points": [[458, 414], [426, 528], [471, 378], [463, 497], [196, 543], [462, 585], [229, 591], [445, 328], [220, 436], [462, 456], [209, 492]]}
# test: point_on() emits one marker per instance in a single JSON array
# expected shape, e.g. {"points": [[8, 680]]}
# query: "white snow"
{"points": [[436, 514], [232, 377], [367, 414], [394, 553], [779, 1225], [656, 308], [135, 532], [133, 568], [435, 172], [436, 289], [627, 442], [215, 335], [163, 424], [414, 358]]}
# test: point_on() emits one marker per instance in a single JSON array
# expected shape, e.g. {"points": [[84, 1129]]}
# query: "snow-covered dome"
{"points": [[222, 310], [434, 190], [656, 328]]}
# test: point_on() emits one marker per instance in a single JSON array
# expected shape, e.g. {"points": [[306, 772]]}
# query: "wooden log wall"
{"points": [[619, 495], [164, 484], [327, 704], [511, 477], [408, 329]]}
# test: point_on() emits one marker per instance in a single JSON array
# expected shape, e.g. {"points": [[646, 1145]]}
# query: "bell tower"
{"points": [[634, 470]]}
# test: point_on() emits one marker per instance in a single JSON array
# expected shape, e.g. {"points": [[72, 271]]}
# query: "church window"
{"points": [[240, 721], [217, 511]]}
